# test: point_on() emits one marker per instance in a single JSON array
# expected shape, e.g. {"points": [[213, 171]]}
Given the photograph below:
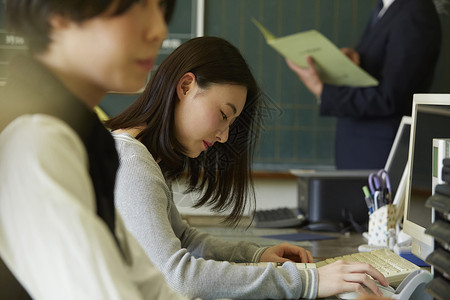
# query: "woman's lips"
{"points": [[207, 144]]}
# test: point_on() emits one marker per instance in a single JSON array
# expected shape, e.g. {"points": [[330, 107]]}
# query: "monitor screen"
{"points": [[398, 156], [430, 119]]}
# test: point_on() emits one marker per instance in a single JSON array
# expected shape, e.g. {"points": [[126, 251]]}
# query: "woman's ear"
{"points": [[187, 84]]}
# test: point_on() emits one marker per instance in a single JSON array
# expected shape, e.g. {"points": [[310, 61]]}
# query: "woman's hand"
{"points": [[348, 276], [286, 252]]}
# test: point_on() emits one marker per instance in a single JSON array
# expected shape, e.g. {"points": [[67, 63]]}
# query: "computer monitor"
{"points": [[430, 119], [326, 196], [397, 160]]}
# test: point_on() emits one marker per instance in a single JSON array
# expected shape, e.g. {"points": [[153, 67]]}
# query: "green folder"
{"points": [[333, 66]]}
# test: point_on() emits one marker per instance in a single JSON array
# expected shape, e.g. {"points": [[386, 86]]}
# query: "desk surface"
{"points": [[343, 243]]}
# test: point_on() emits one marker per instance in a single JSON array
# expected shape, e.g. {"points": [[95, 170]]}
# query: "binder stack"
{"points": [[439, 287]]}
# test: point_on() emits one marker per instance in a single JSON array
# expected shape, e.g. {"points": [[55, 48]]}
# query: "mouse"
{"points": [[387, 291]]}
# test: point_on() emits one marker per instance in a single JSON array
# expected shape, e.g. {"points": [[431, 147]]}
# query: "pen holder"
{"points": [[382, 224]]}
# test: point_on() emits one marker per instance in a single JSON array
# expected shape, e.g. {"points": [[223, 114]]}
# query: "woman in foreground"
{"points": [[197, 121]]}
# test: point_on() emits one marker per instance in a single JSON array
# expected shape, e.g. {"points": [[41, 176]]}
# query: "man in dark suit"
{"points": [[400, 47]]}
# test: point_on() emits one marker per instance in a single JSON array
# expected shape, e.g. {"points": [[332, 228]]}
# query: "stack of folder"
{"points": [[439, 287]]}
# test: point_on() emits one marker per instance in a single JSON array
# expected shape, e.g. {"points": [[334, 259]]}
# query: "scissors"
{"points": [[379, 182]]}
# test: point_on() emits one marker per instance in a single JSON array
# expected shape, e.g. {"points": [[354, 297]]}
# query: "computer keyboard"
{"points": [[394, 267], [278, 218]]}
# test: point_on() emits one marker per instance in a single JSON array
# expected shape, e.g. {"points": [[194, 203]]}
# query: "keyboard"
{"points": [[394, 267], [278, 218]]}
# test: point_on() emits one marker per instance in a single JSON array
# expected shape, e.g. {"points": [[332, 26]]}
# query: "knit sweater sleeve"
{"points": [[193, 263]]}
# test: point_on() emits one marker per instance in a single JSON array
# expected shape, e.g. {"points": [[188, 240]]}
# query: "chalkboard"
{"points": [[294, 135], [10, 45]]}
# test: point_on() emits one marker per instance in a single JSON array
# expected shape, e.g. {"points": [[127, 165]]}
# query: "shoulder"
{"points": [[135, 158], [416, 11], [129, 147], [42, 153], [38, 132]]}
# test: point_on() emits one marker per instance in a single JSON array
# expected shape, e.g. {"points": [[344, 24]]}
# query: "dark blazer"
{"points": [[401, 51]]}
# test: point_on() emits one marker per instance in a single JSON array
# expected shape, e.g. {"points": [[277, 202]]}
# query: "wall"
{"points": [[270, 193]]}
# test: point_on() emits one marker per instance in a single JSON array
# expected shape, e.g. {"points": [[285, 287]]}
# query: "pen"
{"points": [[368, 198]]}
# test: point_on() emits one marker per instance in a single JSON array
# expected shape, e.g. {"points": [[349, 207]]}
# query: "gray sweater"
{"points": [[194, 264]]}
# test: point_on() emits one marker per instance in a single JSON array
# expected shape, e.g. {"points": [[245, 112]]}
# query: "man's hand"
{"points": [[286, 252], [309, 76], [352, 54]]}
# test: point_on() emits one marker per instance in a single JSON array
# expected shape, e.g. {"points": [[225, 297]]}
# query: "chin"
{"points": [[193, 154], [128, 89], [136, 85], [135, 89]]}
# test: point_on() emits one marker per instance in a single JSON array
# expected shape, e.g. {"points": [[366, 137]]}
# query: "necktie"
{"points": [[377, 9]]}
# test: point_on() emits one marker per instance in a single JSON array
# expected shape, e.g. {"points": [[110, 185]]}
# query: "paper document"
{"points": [[333, 66]]}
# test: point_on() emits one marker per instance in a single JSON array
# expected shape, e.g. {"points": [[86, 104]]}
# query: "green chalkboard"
{"points": [[10, 45], [294, 135]]}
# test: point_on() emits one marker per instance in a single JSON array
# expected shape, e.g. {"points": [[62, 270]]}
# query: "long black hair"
{"points": [[222, 174]]}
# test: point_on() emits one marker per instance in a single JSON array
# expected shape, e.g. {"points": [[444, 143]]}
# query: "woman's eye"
{"points": [[224, 116]]}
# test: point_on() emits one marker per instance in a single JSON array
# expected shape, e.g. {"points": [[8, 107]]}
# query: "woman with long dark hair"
{"points": [[197, 121]]}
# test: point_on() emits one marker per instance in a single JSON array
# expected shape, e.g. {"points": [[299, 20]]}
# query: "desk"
{"points": [[342, 245]]}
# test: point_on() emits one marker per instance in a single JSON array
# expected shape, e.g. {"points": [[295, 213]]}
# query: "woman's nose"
{"points": [[222, 135]]}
